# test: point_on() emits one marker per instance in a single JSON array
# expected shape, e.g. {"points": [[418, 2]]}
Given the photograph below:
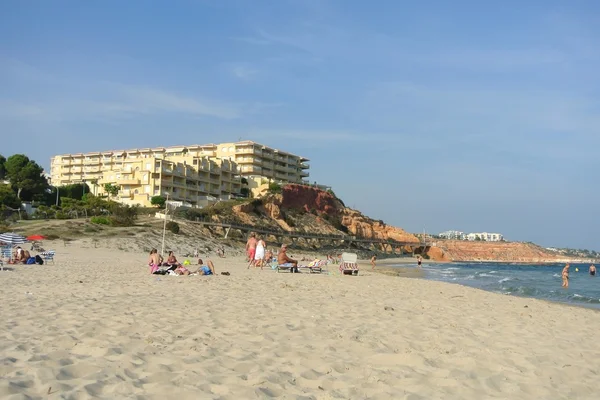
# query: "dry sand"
{"points": [[97, 325]]}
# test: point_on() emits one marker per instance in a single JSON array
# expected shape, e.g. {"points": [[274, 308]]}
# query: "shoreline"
{"points": [[418, 273]]}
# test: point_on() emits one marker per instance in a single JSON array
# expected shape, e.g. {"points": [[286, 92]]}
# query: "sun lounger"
{"points": [[314, 267], [349, 264], [285, 267]]}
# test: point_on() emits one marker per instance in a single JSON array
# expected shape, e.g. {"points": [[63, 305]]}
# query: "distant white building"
{"points": [[485, 236], [453, 235]]}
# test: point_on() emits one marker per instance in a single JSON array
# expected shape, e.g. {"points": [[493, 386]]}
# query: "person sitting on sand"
{"points": [[284, 260], [269, 255], [208, 269], [172, 260], [565, 276], [592, 270], [154, 260]]}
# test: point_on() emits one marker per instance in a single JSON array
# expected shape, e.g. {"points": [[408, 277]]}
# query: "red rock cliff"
{"points": [[458, 250], [321, 212]]}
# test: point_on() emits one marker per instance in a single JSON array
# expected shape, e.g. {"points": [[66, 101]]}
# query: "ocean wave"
{"points": [[486, 275], [505, 280], [556, 275]]}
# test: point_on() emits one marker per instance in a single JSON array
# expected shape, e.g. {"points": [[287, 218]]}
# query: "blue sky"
{"points": [[430, 115]]}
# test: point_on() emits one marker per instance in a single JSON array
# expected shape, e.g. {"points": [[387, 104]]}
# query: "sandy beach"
{"points": [[97, 325]]}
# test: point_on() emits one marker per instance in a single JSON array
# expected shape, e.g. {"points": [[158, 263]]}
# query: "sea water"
{"points": [[537, 281]]}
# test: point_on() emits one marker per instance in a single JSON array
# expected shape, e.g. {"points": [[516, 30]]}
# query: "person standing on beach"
{"points": [[565, 276], [419, 261], [373, 259], [251, 248], [592, 270]]}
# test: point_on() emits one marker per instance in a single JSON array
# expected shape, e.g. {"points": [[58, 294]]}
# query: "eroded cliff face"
{"points": [[308, 209], [458, 250]]}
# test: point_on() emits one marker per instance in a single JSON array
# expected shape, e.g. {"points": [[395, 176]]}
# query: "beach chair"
{"points": [[314, 267], [5, 255], [48, 256], [284, 267], [349, 264]]}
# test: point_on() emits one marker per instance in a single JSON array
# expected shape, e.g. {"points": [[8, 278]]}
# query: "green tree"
{"points": [[74, 191], [25, 176], [8, 197], [2, 169], [111, 189], [158, 201], [245, 192]]}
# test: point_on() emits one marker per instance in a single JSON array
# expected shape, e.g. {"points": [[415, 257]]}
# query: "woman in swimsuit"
{"points": [[172, 260], [565, 276]]}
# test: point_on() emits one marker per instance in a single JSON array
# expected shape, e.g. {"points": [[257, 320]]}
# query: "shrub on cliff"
{"points": [[173, 227], [100, 220], [274, 188]]}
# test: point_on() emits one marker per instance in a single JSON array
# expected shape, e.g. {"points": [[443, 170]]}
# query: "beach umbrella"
{"points": [[34, 238], [12, 238]]}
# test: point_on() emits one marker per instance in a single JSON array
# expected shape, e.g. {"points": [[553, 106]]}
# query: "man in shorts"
{"points": [[283, 259], [251, 248]]}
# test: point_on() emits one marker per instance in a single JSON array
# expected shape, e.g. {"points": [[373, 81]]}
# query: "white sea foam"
{"points": [[487, 275], [505, 280]]}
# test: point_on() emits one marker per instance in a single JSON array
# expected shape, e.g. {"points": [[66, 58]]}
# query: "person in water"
{"points": [[592, 270], [565, 276], [419, 261]]}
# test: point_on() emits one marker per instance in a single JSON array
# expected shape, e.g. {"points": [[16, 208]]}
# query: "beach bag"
{"points": [[39, 260], [30, 260]]}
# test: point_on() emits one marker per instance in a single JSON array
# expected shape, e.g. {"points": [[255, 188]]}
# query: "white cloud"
{"points": [[243, 72], [116, 101]]}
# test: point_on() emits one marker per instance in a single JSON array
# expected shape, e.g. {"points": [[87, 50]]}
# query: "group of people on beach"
{"points": [[23, 256], [258, 255], [159, 266], [565, 274]]}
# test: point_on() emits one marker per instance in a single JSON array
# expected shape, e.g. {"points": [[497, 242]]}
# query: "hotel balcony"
{"points": [[248, 150], [304, 165], [251, 169], [304, 174]]}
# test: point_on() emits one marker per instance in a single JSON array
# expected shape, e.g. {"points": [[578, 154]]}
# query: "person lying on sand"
{"points": [[181, 270], [208, 269]]}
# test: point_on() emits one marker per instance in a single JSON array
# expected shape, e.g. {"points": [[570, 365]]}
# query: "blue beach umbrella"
{"points": [[12, 238]]}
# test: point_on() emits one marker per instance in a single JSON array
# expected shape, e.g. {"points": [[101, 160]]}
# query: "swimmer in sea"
{"points": [[592, 270], [565, 276]]}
